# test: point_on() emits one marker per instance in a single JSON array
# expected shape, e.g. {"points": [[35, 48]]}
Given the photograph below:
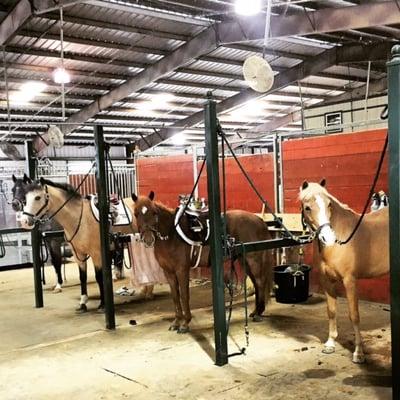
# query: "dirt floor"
{"points": [[54, 353]]}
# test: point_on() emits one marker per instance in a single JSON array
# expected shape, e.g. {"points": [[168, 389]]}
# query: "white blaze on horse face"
{"points": [[327, 234], [32, 206], [144, 210]]}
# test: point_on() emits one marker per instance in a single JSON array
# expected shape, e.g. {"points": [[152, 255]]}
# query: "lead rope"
{"points": [[384, 115], [377, 173], [288, 234]]}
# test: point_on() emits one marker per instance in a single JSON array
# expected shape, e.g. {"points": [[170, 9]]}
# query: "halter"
{"points": [[155, 233], [314, 231], [37, 217]]}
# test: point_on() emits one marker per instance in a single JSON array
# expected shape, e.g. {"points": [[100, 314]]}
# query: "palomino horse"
{"points": [[174, 255], [366, 255], [52, 244], [81, 229]]}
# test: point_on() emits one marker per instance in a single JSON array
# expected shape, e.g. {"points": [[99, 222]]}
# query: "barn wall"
{"points": [[348, 162]]}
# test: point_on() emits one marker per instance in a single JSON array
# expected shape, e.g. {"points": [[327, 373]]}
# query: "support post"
{"points": [[394, 213], [102, 193], [217, 267], [35, 234]]}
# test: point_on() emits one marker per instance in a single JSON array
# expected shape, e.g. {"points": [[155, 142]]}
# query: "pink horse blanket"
{"points": [[145, 268]]}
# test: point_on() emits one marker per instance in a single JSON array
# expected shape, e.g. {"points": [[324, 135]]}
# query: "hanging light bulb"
{"points": [[60, 75]]}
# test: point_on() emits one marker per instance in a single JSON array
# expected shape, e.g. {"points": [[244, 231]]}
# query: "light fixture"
{"points": [[178, 139], [27, 92], [247, 7], [157, 101], [61, 75]]}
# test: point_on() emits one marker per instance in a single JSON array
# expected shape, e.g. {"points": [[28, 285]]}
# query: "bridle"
{"points": [[154, 232], [37, 217]]}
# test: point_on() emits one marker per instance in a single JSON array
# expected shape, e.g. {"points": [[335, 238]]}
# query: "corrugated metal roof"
{"points": [[106, 44]]}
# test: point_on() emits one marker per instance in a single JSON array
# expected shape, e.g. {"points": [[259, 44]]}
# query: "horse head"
{"points": [[317, 210], [18, 192], [36, 203], [145, 212]]}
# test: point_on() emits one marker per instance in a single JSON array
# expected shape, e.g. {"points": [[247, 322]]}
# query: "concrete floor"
{"points": [[53, 353]]}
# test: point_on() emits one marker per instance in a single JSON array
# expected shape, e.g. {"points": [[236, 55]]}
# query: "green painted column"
{"points": [[30, 167], [394, 212], [102, 194], [217, 267]]}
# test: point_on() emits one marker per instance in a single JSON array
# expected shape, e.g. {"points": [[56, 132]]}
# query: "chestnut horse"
{"points": [[156, 221], [366, 255], [81, 229]]}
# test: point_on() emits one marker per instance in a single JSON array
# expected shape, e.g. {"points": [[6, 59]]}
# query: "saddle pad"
{"points": [[122, 218]]}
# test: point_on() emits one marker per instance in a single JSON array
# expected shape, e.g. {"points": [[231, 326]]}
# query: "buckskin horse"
{"points": [[156, 224], [366, 255], [74, 213]]}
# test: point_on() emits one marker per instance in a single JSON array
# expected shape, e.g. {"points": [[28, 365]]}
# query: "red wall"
{"points": [[171, 176], [348, 162]]}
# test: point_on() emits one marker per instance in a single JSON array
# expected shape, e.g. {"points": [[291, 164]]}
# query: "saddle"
{"points": [[116, 213], [192, 222]]}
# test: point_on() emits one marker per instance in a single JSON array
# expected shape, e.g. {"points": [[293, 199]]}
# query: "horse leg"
{"points": [[99, 280], [54, 247], [183, 280], [173, 283], [83, 281], [329, 288], [351, 294], [261, 275]]}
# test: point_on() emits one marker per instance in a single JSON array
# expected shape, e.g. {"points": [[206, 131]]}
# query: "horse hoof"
{"points": [[100, 308], [173, 328], [81, 309], [57, 290], [183, 329], [257, 318], [358, 358], [328, 349]]}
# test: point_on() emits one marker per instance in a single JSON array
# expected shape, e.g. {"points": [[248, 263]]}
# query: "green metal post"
{"points": [[35, 234], [217, 266], [102, 193], [394, 213]]}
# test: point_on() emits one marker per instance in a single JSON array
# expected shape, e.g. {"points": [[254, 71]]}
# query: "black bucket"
{"points": [[292, 283]]}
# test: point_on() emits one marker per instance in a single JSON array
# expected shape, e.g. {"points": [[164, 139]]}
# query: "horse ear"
{"points": [[151, 195], [304, 185], [323, 182], [134, 197], [42, 181], [26, 179], [14, 178]]}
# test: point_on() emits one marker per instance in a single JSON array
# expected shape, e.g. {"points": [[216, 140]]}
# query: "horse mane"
{"points": [[163, 207], [314, 189], [69, 189]]}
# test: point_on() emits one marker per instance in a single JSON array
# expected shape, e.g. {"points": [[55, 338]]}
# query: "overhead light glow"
{"points": [[252, 108], [247, 7], [178, 139], [158, 101], [27, 92], [60, 75]]}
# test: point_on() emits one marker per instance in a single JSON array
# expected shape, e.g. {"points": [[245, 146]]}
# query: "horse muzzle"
{"points": [[17, 205], [27, 222], [327, 235]]}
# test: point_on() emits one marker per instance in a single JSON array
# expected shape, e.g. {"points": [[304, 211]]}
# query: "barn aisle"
{"points": [[52, 352]]}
